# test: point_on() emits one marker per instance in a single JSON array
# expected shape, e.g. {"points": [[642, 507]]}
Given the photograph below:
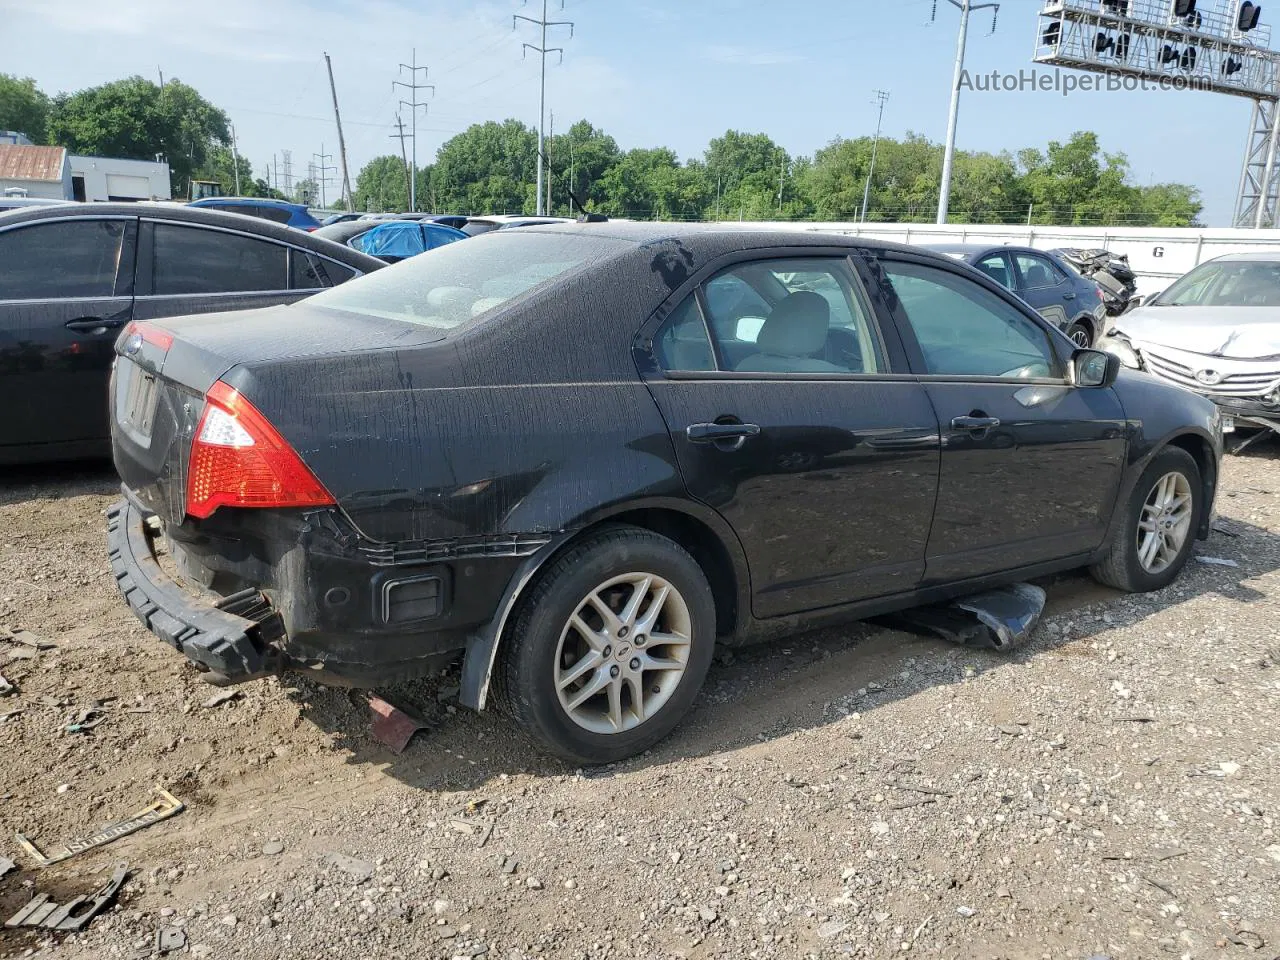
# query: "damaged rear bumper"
{"points": [[228, 637]]}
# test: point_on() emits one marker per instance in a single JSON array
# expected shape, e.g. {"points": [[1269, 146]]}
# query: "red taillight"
{"points": [[150, 334], [238, 459]]}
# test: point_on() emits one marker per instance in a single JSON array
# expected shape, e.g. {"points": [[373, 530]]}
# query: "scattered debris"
{"points": [[832, 928], [1158, 886], [6, 865], [1216, 561], [28, 639], [510, 865], [6, 687], [393, 727], [87, 719], [169, 939], [221, 697], [360, 870], [1011, 729], [167, 806], [6, 717], [998, 619], [70, 917]]}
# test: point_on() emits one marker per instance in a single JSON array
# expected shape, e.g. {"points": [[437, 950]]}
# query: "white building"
{"points": [[104, 178], [31, 171]]}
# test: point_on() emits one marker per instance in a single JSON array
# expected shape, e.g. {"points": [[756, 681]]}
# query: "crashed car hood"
{"points": [[1242, 333]]}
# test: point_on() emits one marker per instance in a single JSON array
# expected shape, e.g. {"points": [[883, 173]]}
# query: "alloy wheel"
{"points": [[1165, 522], [622, 653]]}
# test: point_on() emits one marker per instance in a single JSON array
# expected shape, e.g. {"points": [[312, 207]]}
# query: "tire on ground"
{"points": [[528, 658], [1121, 567]]}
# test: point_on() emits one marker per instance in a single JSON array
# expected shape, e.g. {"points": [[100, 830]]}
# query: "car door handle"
{"points": [[1068, 296], [721, 432], [90, 324], [975, 423]]}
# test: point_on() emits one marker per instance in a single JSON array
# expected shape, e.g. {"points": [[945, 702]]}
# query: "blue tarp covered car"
{"points": [[400, 239]]}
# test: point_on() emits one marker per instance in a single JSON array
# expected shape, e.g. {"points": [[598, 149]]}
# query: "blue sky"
{"points": [[651, 72]]}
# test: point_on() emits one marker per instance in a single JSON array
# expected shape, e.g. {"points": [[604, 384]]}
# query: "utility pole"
{"points": [[550, 173], [401, 135], [342, 143], [882, 97], [782, 177], [948, 161], [235, 158], [275, 174], [322, 172], [161, 72], [413, 86], [543, 50]]}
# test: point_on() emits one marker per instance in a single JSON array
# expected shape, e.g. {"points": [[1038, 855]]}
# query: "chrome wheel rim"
{"points": [[1165, 523], [623, 653], [1080, 337]]}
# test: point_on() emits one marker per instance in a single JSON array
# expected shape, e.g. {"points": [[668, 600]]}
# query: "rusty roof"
{"points": [[31, 163]]}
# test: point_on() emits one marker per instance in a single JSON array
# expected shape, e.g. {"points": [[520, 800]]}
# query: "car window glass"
{"points": [[309, 272], [274, 214], [191, 260], [794, 315], [74, 258], [1037, 272], [683, 345], [1226, 283], [965, 330], [997, 268]]}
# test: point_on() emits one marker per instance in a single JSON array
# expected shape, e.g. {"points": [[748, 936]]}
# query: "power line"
{"points": [[543, 50], [413, 86]]}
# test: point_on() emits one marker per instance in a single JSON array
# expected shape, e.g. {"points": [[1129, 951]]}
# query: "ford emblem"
{"points": [[132, 345], [1210, 378]]}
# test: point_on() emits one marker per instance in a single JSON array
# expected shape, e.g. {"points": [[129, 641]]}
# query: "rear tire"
{"points": [[627, 614], [1136, 563], [1079, 334]]}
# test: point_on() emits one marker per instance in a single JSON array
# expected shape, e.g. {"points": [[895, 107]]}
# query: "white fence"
{"points": [[1158, 255]]}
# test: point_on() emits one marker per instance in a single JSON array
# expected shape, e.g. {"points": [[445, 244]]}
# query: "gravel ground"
{"points": [[1108, 791]]}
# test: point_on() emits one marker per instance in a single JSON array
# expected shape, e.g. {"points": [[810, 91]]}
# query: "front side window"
{"points": [[965, 330], [193, 260], [1037, 272], [682, 344], [62, 260], [794, 315]]}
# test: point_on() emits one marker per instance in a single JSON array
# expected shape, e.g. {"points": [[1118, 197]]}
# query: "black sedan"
{"points": [[72, 276], [1069, 301], [582, 456]]}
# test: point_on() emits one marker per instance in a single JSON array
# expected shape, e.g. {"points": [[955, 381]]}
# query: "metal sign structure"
{"points": [[1216, 46]]}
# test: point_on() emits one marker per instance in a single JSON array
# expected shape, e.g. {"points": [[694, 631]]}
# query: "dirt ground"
{"points": [[1108, 791]]}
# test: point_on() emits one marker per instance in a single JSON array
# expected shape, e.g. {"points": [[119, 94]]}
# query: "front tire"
{"points": [[1079, 334], [610, 647], [1154, 538]]}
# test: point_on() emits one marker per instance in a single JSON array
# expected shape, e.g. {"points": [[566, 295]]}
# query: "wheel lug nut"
{"points": [[635, 663], [622, 632], [641, 640], [614, 671], [608, 651]]}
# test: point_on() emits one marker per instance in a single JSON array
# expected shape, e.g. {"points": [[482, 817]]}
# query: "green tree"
{"points": [[135, 119], [488, 168], [221, 166], [745, 170], [579, 160], [382, 185], [23, 107]]}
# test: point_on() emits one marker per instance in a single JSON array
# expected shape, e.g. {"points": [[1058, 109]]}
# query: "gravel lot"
{"points": [[1110, 790]]}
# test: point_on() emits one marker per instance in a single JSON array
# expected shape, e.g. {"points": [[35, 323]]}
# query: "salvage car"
{"points": [[582, 456], [1215, 331], [71, 276], [1066, 299]]}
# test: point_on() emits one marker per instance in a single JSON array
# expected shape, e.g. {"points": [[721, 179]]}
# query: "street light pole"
{"points": [[882, 97], [948, 161]]}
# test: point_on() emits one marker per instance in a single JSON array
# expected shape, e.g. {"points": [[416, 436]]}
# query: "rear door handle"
{"points": [[91, 324], [1068, 296], [975, 423], [721, 433]]}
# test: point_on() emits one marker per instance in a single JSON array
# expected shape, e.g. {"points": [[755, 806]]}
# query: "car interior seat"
{"points": [[794, 331]]}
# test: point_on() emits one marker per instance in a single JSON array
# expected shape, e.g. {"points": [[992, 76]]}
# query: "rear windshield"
{"points": [[453, 284], [1226, 283]]}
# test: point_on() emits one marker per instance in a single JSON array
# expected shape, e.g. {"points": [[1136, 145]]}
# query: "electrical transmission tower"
{"points": [[882, 97], [413, 86], [542, 49], [286, 176], [321, 172], [402, 136]]}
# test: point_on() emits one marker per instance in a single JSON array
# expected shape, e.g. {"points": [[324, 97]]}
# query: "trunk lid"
{"points": [[164, 369]]}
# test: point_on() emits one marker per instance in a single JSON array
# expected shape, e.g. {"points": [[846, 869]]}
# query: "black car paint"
{"points": [[557, 441], [55, 355]]}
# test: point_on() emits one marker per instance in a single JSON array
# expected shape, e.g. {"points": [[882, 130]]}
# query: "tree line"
{"points": [[491, 168]]}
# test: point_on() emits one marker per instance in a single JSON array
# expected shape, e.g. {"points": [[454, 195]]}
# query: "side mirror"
{"points": [[1093, 368]]}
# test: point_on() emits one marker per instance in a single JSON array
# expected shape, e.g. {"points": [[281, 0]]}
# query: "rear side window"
{"points": [[463, 281], [274, 214], [1037, 272], [683, 344], [64, 260], [309, 272], [193, 260]]}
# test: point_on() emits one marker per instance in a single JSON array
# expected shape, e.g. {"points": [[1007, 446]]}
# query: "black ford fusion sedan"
{"points": [[582, 456]]}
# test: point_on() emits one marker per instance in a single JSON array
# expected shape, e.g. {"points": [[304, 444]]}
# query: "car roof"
{"points": [[204, 216], [253, 201], [1255, 255]]}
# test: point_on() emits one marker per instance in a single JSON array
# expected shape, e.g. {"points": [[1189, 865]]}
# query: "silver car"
{"points": [[1215, 331]]}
